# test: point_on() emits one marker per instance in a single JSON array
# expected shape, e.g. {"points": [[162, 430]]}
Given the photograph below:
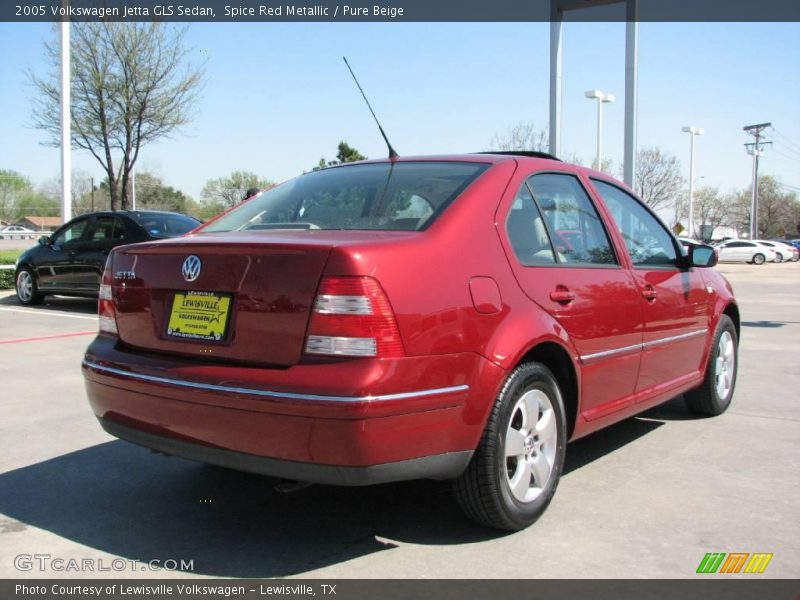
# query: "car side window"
{"points": [[106, 229], [71, 233], [577, 233], [647, 240], [526, 231]]}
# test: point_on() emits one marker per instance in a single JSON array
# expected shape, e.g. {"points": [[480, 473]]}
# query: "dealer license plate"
{"points": [[199, 316]]}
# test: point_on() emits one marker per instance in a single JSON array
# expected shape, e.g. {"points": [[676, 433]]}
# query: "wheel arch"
{"points": [[732, 311], [556, 358]]}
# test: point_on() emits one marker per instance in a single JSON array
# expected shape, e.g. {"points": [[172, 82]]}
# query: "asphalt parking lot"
{"points": [[645, 498]]}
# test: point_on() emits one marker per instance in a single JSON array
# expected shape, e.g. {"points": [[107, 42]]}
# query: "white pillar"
{"points": [[555, 82], [66, 127], [631, 101]]}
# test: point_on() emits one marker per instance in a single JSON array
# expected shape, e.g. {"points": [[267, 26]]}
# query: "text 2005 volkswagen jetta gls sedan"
{"points": [[456, 317]]}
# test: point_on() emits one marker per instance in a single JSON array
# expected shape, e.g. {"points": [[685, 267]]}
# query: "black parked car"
{"points": [[70, 262]]}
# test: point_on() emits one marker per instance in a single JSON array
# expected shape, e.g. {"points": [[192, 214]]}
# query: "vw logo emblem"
{"points": [[191, 268]]}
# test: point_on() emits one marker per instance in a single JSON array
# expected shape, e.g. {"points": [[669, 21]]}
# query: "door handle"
{"points": [[562, 295], [649, 293]]}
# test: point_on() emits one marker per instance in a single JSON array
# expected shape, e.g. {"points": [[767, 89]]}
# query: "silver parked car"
{"points": [[748, 251], [10, 232]]}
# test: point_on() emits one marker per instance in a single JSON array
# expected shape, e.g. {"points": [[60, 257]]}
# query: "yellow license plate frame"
{"points": [[200, 316]]}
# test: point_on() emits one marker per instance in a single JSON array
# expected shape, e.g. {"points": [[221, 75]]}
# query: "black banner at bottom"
{"points": [[388, 589]]}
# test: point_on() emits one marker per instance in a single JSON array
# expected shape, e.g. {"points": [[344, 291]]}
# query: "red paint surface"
{"points": [[453, 333]]}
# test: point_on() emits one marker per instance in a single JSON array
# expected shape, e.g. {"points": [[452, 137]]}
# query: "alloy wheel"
{"points": [[725, 365], [530, 445]]}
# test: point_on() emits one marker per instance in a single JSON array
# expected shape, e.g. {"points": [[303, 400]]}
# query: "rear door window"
{"points": [[106, 229], [576, 232]]}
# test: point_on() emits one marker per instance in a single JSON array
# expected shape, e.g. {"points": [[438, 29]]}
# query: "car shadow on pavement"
{"points": [[87, 306], [123, 500], [767, 324], [601, 443]]}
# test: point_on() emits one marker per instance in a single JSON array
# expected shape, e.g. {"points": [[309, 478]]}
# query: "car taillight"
{"points": [[352, 317], [105, 303]]}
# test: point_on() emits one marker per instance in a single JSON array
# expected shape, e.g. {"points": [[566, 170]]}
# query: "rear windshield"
{"points": [[166, 225], [385, 196]]}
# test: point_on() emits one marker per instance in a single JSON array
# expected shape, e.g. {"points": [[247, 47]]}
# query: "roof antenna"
{"points": [[392, 154]]}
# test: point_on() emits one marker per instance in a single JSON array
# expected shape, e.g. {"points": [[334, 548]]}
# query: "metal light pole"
{"points": [[692, 131], [66, 128], [602, 98]]}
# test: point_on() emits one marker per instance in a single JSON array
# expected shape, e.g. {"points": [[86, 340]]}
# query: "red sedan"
{"points": [[412, 318]]}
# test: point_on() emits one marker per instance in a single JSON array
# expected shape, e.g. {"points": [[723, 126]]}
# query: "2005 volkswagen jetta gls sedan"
{"points": [[457, 317]]}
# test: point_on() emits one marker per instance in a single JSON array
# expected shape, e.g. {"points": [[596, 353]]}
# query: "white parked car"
{"points": [[745, 251], [16, 231], [784, 250]]}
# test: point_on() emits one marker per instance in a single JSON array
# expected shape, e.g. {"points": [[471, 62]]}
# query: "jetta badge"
{"points": [[191, 268]]}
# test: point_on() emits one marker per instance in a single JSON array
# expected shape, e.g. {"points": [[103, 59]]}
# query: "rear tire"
{"points": [[778, 257], [28, 288], [758, 259], [515, 470], [713, 397]]}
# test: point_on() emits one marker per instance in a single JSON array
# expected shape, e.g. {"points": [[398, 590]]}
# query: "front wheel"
{"points": [[713, 397], [758, 259], [515, 470], [27, 288]]}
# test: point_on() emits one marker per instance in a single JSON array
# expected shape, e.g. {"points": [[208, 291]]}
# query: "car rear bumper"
{"points": [[440, 466], [388, 420]]}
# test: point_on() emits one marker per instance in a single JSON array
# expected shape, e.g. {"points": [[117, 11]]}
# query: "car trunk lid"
{"points": [[246, 298]]}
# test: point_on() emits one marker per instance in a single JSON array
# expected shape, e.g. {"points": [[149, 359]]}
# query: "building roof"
{"points": [[42, 222]]}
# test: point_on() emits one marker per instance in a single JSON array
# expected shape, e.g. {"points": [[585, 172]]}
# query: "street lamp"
{"points": [[601, 98], [692, 131]]}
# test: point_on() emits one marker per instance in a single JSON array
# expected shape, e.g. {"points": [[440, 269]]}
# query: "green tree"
{"points": [[38, 204], [131, 85], [230, 190], [345, 153], [153, 194], [778, 209], [14, 187]]}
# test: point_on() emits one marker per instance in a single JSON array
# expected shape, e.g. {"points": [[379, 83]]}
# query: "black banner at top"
{"points": [[400, 10]]}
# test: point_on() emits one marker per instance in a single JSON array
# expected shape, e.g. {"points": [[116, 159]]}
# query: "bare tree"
{"points": [[229, 191], [711, 209], [522, 136], [658, 178], [129, 87]]}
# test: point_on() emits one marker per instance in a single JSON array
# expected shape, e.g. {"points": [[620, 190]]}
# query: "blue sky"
{"points": [[278, 96]]}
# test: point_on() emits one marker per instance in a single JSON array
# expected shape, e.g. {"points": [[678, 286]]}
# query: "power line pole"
{"points": [[755, 149], [92, 194]]}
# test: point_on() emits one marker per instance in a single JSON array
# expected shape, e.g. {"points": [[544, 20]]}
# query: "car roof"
{"points": [[540, 160], [136, 214]]}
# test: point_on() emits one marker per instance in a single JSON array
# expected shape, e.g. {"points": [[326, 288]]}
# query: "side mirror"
{"points": [[701, 255], [44, 240]]}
